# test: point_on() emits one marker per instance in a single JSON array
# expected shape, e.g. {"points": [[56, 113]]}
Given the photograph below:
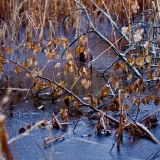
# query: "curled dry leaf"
{"points": [[77, 104], [112, 107], [18, 70], [28, 62], [83, 39], [140, 62], [28, 75], [129, 76], [144, 101], [138, 35], [117, 85], [70, 66], [35, 62], [124, 30], [67, 100], [151, 76], [84, 71], [148, 59], [64, 114], [126, 106], [121, 66], [62, 83], [57, 65], [103, 92], [131, 61], [85, 83], [36, 72], [135, 101], [127, 92], [68, 55], [79, 49]]}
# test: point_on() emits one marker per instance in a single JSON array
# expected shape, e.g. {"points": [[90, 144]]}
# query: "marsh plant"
{"points": [[39, 36]]}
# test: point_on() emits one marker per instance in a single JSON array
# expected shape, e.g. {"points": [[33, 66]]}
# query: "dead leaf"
{"points": [[135, 101], [148, 59], [64, 115], [62, 83], [28, 75], [68, 55], [83, 39], [85, 83], [112, 107], [126, 106], [140, 61], [57, 65], [79, 49], [124, 30], [138, 35], [129, 76]]}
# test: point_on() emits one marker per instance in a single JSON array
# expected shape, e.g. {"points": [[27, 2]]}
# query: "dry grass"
{"points": [[59, 9]]}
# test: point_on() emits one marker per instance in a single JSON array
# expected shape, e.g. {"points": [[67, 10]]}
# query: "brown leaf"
{"points": [[150, 76], [129, 76], [135, 101], [79, 49], [85, 83], [18, 70], [126, 106], [57, 65], [67, 100], [157, 101], [131, 61], [9, 50], [77, 104], [127, 92], [124, 30], [48, 54], [84, 71], [36, 72], [112, 107], [103, 92], [83, 39], [28, 75], [68, 55], [64, 115], [148, 59], [144, 101], [62, 83], [140, 62], [138, 35]]}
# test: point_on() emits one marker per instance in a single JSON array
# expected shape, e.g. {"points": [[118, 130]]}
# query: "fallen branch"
{"points": [[148, 132], [26, 132]]}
